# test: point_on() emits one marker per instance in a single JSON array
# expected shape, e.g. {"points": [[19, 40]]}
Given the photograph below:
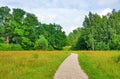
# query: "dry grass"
{"points": [[43, 64], [30, 64]]}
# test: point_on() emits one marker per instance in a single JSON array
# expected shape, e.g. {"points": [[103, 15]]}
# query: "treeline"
{"points": [[98, 33], [22, 29]]}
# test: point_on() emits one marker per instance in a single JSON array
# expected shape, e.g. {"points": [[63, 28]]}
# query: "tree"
{"points": [[54, 34], [102, 46], [41, 43], [17, 25], [30, 22], [100, 32], [83, 40], [26, 44], [81, 44], [4, 23], [73, 36], [23, 24], [20, 27], [116, 42]]}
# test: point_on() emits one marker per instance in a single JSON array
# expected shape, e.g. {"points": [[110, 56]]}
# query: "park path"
{"points": [[70, 69]]}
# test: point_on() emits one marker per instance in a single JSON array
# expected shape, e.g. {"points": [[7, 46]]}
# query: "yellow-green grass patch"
{"points": [[101, 64], [30, 64]]}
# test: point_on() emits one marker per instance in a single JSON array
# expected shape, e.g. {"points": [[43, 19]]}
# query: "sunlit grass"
{"points": [[30, 64], [101, 64], [43, 64]]}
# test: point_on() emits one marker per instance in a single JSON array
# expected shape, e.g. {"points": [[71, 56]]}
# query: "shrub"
{"points": [[26, 43], [1, 40], [50, 48], [15, 47], [10, 47], [102, 46], [41, 43], [116, 43]]}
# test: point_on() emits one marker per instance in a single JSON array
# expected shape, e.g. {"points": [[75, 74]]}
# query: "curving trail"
{"points": [[70, 69]]}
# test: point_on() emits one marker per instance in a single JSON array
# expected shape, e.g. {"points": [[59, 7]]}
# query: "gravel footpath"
{"points": [[70, 69]]}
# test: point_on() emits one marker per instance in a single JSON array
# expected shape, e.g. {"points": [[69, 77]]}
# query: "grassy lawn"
{"points": [[30, 64], [101, 64]]}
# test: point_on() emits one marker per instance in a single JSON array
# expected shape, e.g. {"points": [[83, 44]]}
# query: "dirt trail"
{"points": [[70, 69]]}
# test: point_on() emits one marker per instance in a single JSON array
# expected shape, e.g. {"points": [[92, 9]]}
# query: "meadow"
{"points": [[30, 64], [43, 64], [100, 64]]}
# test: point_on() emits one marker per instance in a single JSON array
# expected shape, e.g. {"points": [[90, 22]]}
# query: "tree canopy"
{"points": [[100, 33], [24, 29], [20, 27]]}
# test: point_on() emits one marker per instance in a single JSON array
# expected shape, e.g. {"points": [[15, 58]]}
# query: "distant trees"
{"points": [[100, 33], [23, 28], [73, 36], [54, 34], [20, 28]]}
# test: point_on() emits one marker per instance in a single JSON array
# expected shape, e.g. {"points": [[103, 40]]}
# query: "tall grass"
{"points": [[30, 64], [101, 64]]}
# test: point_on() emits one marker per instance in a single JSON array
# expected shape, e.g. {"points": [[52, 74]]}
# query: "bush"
{"points": [[50, 48], [102, 46], [115, 44], [15, 47], [41, 43], [1, 40], [80, 45], [10, 47], [26, 44]]}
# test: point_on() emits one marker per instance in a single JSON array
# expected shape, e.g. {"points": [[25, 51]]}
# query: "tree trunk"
{"points": [[7, 40], [93, 46]]}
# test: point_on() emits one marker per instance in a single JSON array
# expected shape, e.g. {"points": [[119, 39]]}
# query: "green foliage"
{"points": [[54, 34], [1, 39], [73, 36], [26, 43], [41, 43], [50, 48], [67, 48], [23, 28], [96, 29], [102, 46], [10, 47], [116, 42], [80, 45]]}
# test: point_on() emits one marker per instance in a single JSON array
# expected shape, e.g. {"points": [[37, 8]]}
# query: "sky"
{"points": [[68, 13]]}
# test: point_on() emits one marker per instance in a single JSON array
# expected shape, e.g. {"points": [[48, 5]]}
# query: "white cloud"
{"points": [[103, 12], [106, 2], [69, 19], [106, 11]]}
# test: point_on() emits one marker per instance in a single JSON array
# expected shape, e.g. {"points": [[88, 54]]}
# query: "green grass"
{"points": [[100, 64], [43, 64], [30, 64]]}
